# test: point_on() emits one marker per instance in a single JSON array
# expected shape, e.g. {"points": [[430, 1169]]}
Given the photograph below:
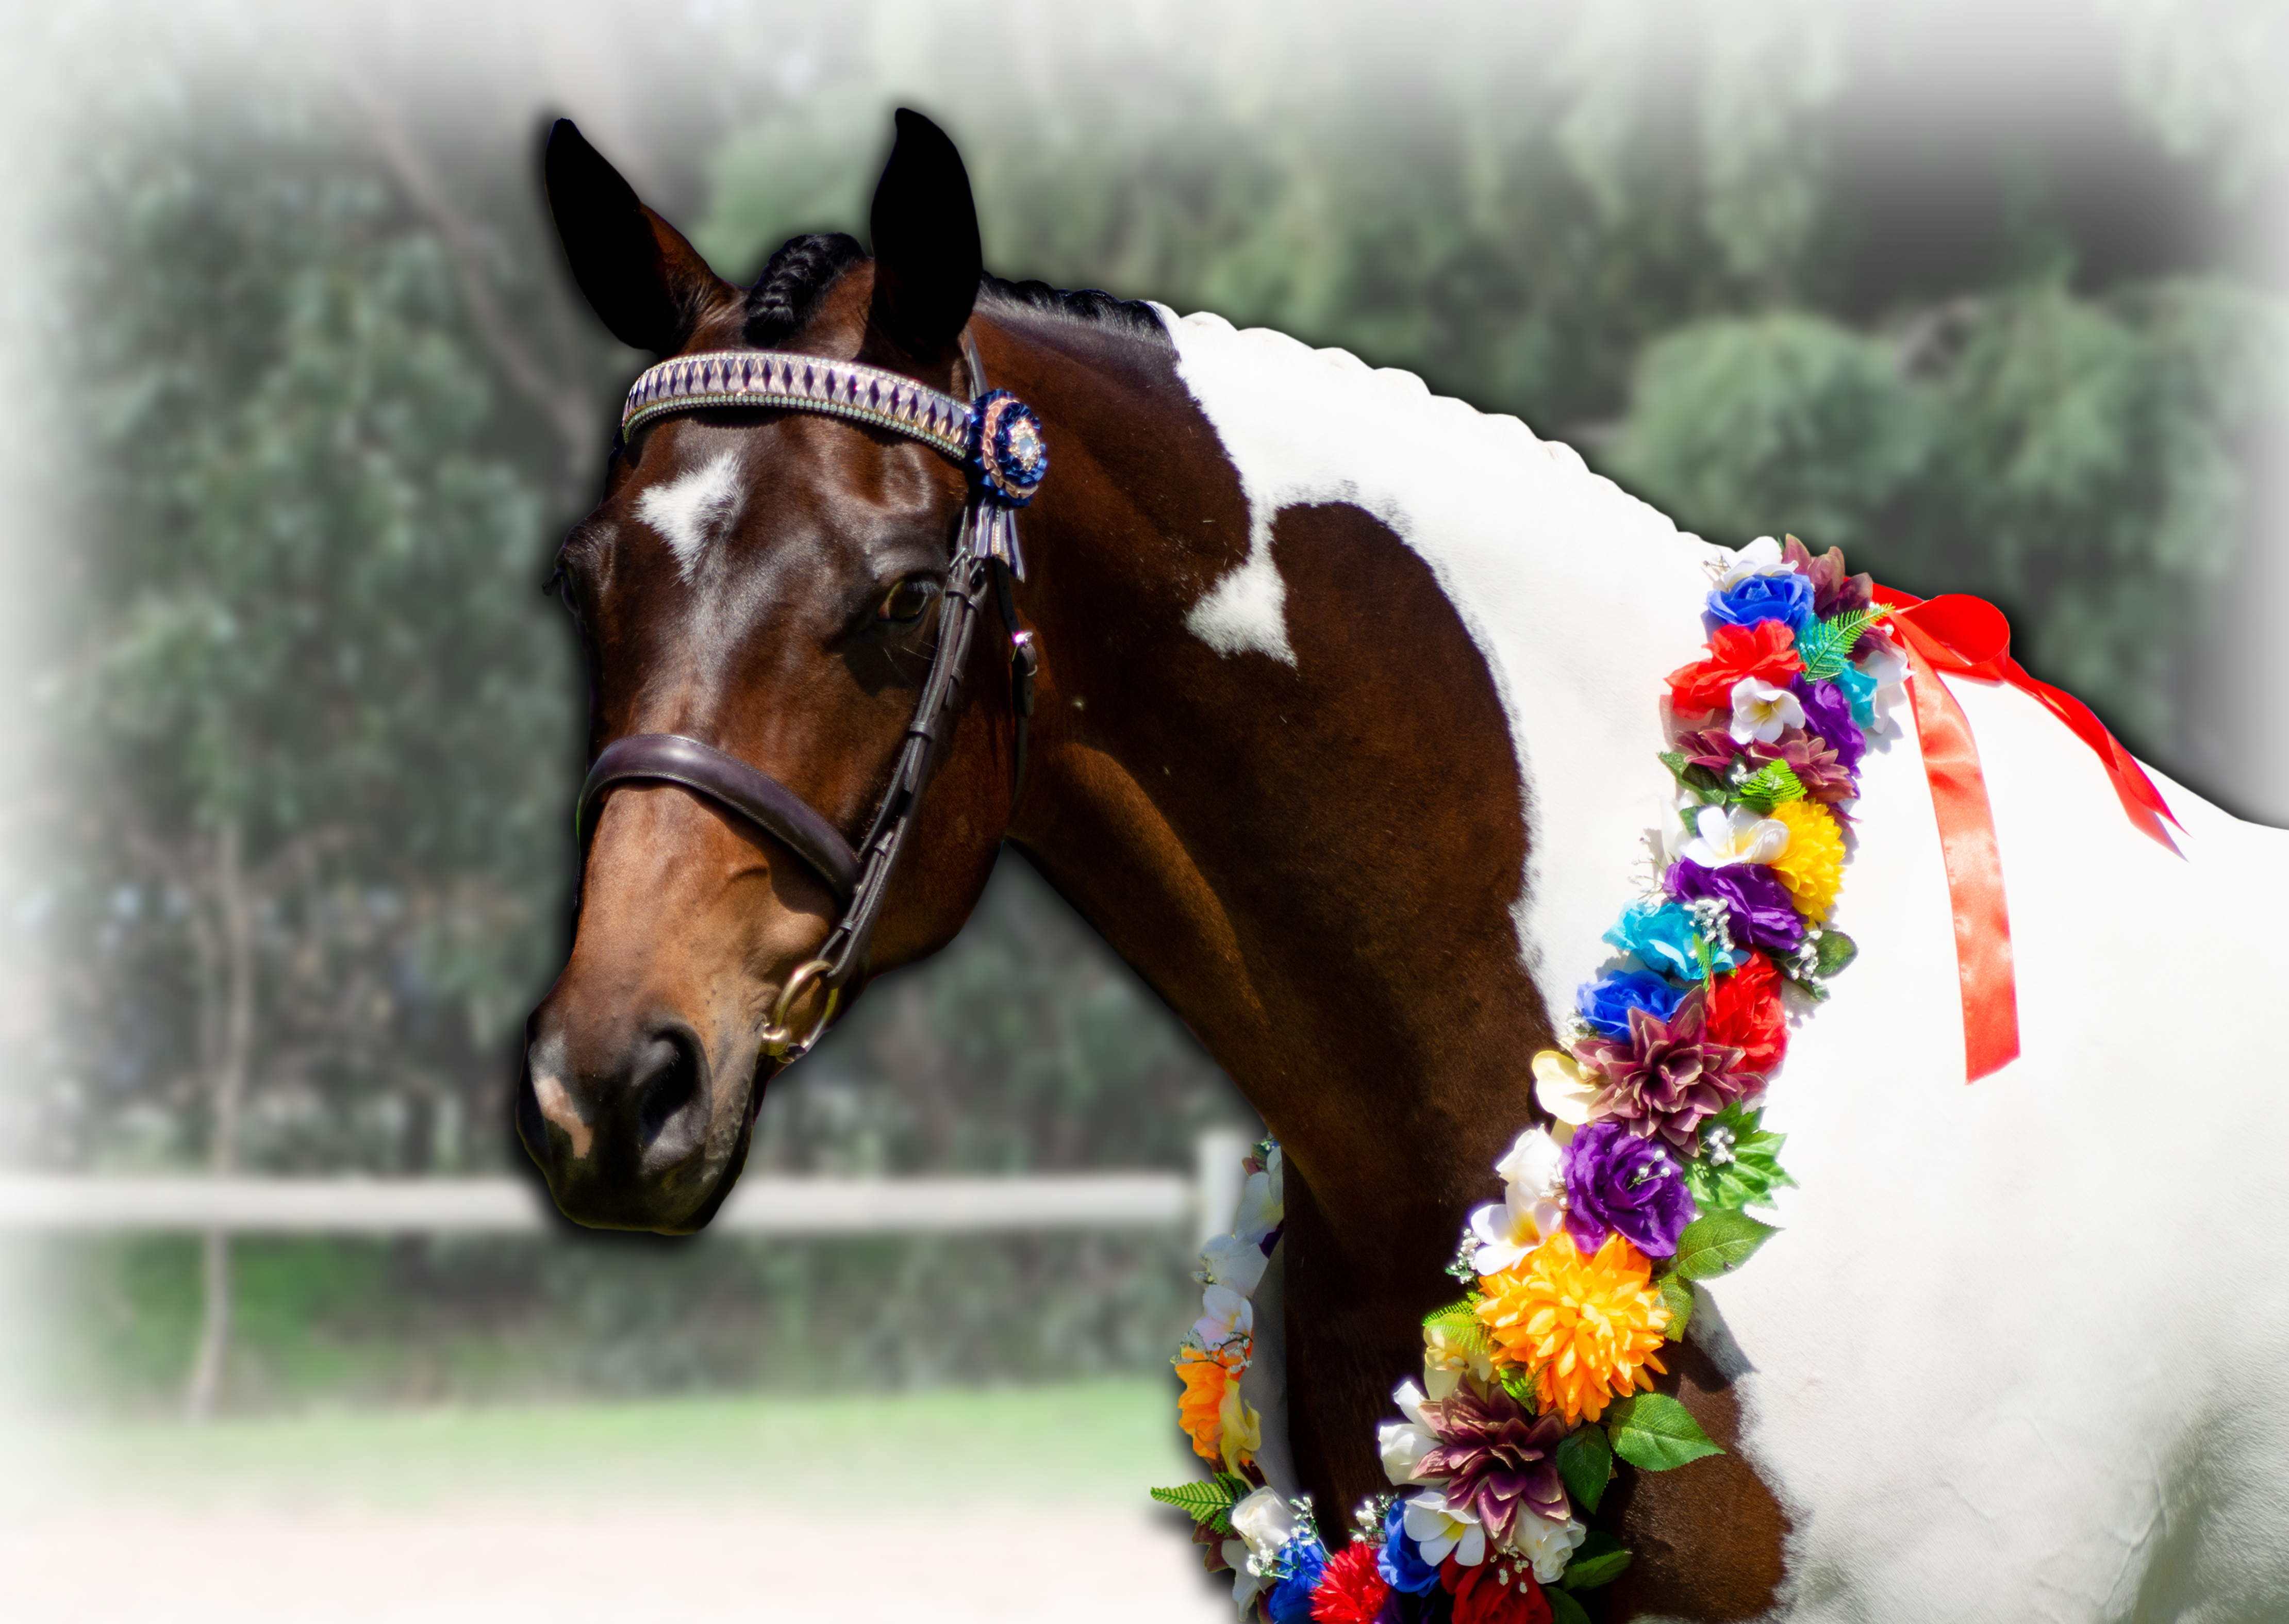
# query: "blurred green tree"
{"points": [[325, 713]]}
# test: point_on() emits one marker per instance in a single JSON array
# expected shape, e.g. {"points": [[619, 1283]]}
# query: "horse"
{"points": [[1332, 704]]}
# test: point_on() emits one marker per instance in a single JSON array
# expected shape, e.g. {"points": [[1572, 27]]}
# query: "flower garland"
{"points": [[1542, 1376]]}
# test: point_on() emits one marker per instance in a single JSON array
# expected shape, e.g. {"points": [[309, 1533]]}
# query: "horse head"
{"points": [[770, 586]]}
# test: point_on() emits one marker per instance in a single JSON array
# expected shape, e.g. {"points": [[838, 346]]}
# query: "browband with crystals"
{"points": [[997, 438]]}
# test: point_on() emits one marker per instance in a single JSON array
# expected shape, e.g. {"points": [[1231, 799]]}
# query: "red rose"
{"points": [[1481, 1597], [1349, 1591], [1766, 650], [1744, 1012]]}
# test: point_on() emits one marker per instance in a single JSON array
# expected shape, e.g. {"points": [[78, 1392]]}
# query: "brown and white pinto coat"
{"points": [[1345, 741]]}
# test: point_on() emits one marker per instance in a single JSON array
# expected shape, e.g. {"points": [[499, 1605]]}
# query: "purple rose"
{"points": [[1828, 714], [1605, 1003], [1785, 598], [1632, 1186], [1756, 904]]}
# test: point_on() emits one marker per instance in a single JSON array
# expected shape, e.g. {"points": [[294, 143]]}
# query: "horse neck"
{"points": [[1318, 861]]}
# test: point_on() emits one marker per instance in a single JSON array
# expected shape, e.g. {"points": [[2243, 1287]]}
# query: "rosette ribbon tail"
{"points": [[1959, 635]]}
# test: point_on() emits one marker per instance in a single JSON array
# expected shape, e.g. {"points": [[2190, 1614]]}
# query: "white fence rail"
{"points": [[66, 1204]]}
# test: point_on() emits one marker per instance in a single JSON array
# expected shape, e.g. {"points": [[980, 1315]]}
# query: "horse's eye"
{"points": [[903, 604]]}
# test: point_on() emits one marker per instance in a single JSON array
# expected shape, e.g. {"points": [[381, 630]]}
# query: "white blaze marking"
{"points": [[691, 508], [556, 1104], [1957, 1426]]}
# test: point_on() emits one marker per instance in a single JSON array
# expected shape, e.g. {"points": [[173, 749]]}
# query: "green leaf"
{"points": [[1706, 786], [1585, 1460], [1598, 1562], [1834, 949], [1563, 1608], [1654, 1432], [1676, 1297], [1752, 1170], [1717, 1241], [1207, 1502], [1518, 1381], [1769, 785]]}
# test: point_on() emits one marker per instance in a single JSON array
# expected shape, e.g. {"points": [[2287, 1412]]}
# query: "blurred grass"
{"points": [[1103, 1441]]}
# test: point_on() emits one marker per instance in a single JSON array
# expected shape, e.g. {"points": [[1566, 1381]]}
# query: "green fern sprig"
{"points": [[1209, 1503], [1825, 647], [1769, 785]]}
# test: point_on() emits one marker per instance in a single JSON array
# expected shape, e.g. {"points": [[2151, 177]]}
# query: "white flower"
{"points": [[1534, 1169], [1761, 556], [1760, 712], [1563, 1089], [1507, 1231], [1438, 1530], [1889, 667], [1228, 1315], [1402, 1445], [1409, 1399], [1233, 1260], [1535, 1162], [1549, 1546], [1735, 834], [1266, 1522], [1245, 1580], [1260, 1209]]}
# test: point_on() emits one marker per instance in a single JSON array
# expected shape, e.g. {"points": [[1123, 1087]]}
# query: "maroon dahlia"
{"points": [[1667, 1077], [1496, 1457]]}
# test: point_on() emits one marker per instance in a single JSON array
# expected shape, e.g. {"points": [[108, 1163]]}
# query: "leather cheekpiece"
{"points": [[670, 758]]}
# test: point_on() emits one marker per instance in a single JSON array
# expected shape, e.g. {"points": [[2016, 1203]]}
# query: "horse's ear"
{"points": [[642, 278], [927, 258]]}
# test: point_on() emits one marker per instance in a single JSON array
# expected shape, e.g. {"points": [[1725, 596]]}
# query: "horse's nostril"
{"points": [[671, 1100]]}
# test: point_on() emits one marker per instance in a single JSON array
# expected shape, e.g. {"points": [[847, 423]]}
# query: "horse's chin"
{"points": [[737, 1161]]}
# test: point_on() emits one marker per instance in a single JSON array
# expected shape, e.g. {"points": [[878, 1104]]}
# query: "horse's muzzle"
{"points": [[627, 1126]]}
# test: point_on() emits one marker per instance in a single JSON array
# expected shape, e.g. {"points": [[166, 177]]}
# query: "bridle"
{"points": [[997, 439]]}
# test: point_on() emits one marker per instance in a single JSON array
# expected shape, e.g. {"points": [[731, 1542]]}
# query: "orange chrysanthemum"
{"points": [[1211, 1410], [1812, 868], [1587, 1328]]}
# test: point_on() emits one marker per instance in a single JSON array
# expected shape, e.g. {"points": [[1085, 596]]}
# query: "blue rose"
{"points": [[1605, 1004], [1662, 937], [1302, 1560], [1399, 1563], [1786, 598]]}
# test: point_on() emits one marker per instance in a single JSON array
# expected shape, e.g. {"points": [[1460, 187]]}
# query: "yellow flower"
{"points": [[1587, 1328], [1812, 868], [1447, 1357], [1223, 1426]]}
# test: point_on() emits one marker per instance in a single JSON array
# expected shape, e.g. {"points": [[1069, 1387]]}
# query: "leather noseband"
{"points": [[754, 794]]}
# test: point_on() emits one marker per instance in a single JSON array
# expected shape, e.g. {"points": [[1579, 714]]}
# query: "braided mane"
{"points": [[799, 274]]}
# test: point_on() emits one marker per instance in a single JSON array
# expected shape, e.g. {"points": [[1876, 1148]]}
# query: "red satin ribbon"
{"points": [[1969, 637]]}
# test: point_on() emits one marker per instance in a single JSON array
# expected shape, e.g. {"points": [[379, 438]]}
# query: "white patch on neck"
{"points": [[1546, 564], [691, 509], [1247, 609]]}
